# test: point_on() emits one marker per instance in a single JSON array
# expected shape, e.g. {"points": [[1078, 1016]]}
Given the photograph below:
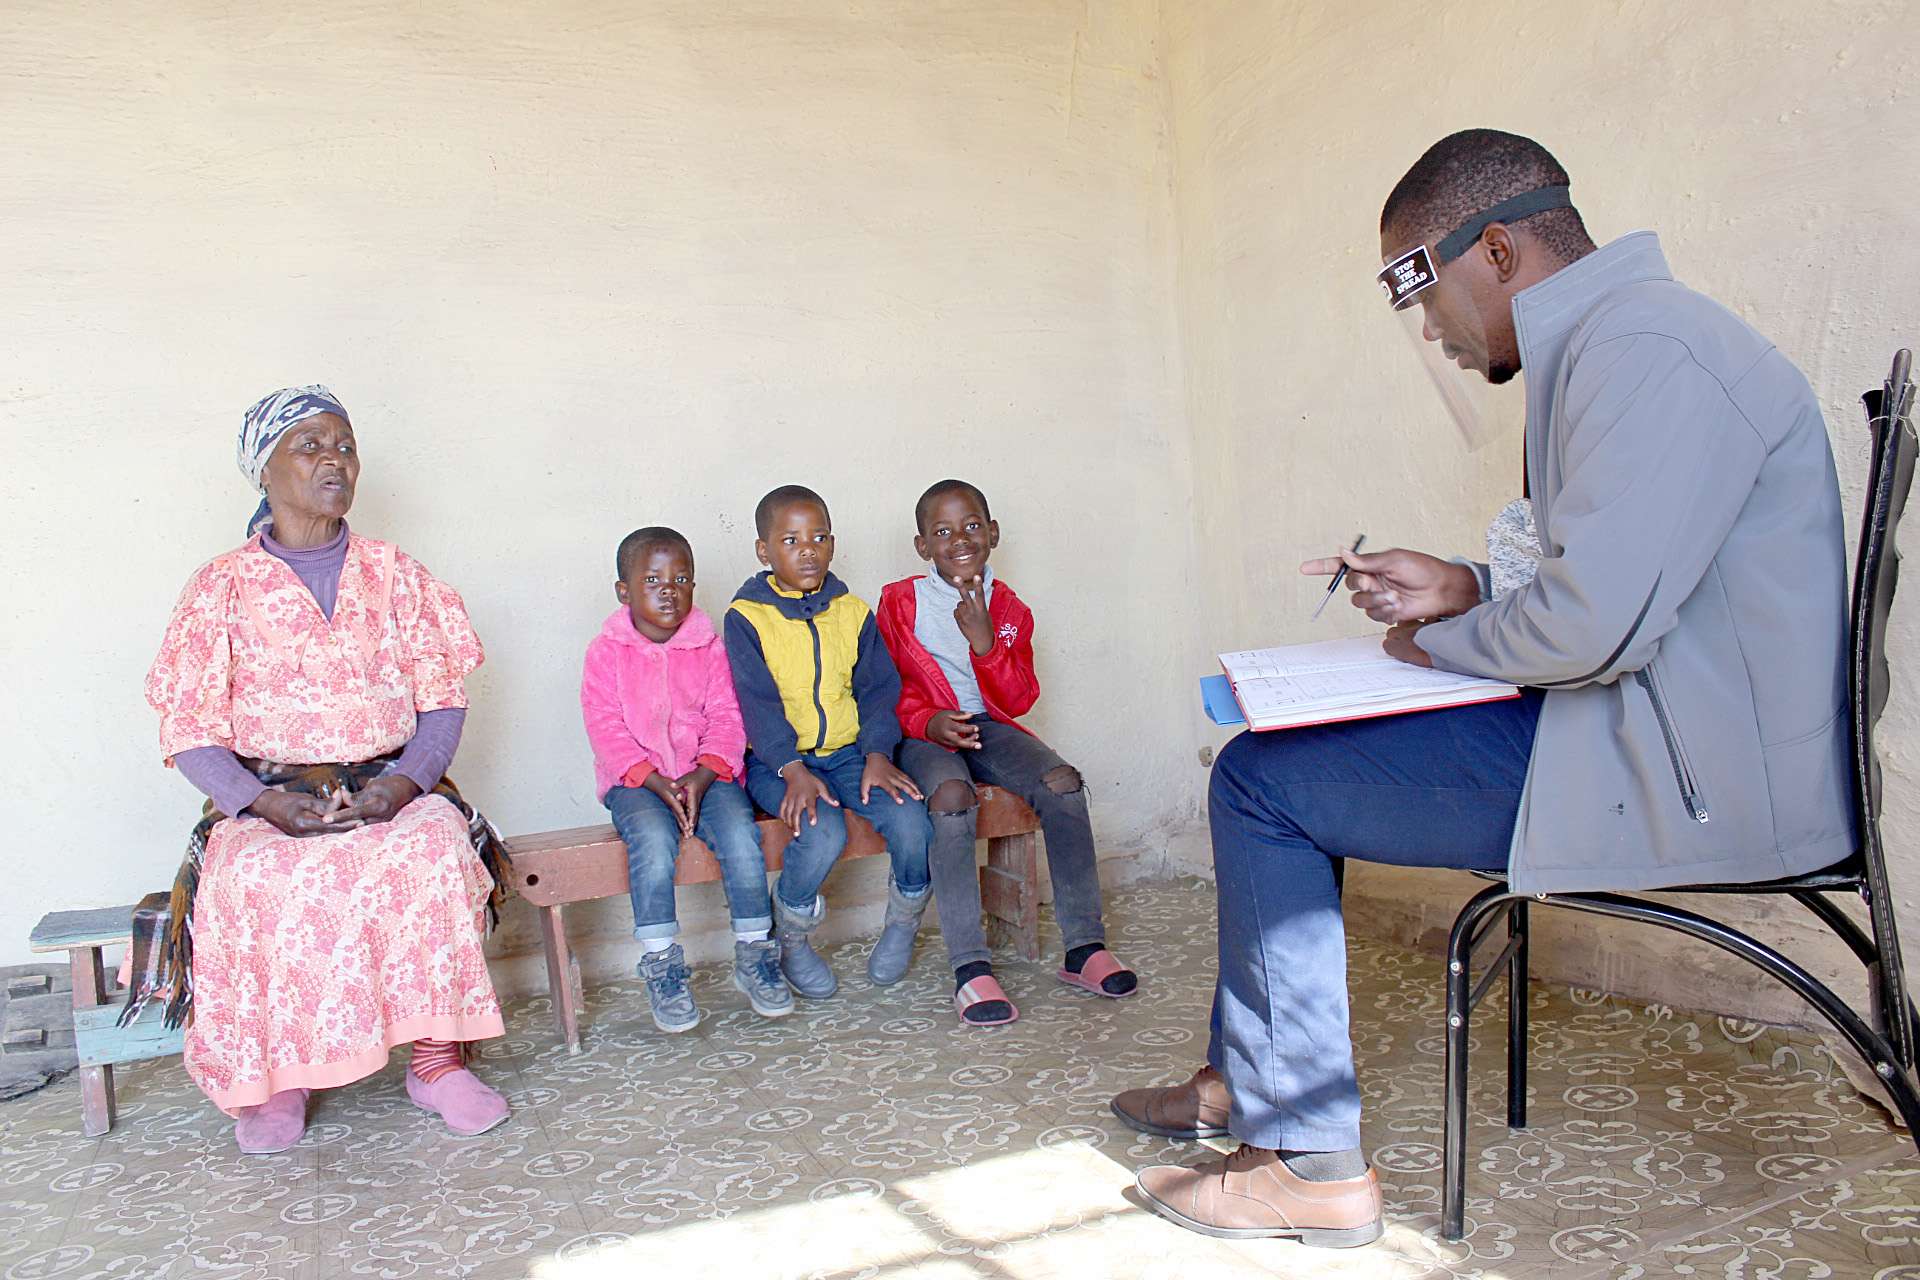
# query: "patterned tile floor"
{"points": [[871, 1136]]}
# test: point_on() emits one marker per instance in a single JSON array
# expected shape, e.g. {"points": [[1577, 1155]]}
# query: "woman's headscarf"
{"points": [[265, 423]]}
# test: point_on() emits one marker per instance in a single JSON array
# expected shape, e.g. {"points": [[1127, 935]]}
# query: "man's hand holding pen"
{"points": [[1403, 589]]}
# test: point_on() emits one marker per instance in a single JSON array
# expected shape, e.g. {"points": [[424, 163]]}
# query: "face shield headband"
{"points": [[1406, 276]]}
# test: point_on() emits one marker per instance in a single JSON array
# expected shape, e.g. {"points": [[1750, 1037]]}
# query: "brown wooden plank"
{"points": [[583, 863], [1010, 892], [561, 987], [552, 877], [96, 1083], [566, 838], [1001, 813]]}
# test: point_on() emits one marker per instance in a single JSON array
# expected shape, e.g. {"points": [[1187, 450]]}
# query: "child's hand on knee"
{"points": [[881, 773], [950, 730], [693, 788], [673, 795], [805, 792]]}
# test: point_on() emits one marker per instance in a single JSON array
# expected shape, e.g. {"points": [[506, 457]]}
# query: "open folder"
{"points": [[1330, 680]]}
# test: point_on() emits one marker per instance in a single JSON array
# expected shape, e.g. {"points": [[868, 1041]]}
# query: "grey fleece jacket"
{"points": [[1688, 617]]}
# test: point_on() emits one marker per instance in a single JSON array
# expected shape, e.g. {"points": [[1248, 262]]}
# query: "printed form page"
{"points": [[1333, 674]]}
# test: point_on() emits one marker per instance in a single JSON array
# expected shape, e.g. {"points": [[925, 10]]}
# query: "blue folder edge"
{"points": [[1216, 695]]}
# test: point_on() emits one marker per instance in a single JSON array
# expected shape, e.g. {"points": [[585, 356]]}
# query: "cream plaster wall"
{"points": [[607, 263], [1770, 146], [577, 267]]}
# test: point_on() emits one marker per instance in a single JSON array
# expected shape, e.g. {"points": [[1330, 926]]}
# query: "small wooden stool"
{"points": [[97, 1042]]}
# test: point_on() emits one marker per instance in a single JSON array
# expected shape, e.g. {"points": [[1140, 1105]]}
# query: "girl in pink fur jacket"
{"points": [[658, 700]]}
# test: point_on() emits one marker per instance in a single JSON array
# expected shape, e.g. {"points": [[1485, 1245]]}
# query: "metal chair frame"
{"points": [[1886, 1037]]}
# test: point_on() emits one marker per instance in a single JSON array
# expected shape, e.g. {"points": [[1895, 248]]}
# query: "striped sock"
{"points": [[433, 1059]]}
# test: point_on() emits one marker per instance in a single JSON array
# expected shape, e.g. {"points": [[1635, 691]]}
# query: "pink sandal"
{"points": [[978, 992], [1100, 966]]}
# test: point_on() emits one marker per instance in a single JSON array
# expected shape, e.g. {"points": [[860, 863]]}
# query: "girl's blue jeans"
{"points": [[725, 824]]}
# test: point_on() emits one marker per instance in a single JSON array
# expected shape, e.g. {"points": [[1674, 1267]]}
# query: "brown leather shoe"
{"points": [[1196, 1109], [1251, 1194]]}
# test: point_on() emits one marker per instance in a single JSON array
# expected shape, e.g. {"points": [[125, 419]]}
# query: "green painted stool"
{"points": [[97, 1042]]}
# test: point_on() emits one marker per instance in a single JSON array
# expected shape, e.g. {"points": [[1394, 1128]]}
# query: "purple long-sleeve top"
{"points": [[231, 785]]}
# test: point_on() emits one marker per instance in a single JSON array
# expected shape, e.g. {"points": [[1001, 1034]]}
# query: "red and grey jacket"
{"points": [[1005, 672]]}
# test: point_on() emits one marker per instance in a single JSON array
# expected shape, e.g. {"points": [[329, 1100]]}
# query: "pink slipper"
{"points": [[468, 1106], [274, 1125], [978, 992], [1100, 966]]}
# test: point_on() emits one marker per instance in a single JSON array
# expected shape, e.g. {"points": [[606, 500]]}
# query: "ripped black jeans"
{"points": [[1015, 761]]}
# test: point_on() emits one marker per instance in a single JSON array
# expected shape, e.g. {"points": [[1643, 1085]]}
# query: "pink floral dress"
{"points": [[312, 957]]}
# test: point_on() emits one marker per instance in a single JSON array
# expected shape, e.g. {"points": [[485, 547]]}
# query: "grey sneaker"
{"points": [[756, 972], [666, 974]]}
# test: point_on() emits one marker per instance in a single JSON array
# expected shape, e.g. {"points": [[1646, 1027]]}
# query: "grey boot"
{"points": [[806, 972], [892, 953]]}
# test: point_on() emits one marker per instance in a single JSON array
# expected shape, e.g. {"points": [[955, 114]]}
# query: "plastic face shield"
{"points": [[1442, 324]]}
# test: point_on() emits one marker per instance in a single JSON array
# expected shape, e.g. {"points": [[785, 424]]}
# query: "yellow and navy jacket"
{"points": [[811, 672]]}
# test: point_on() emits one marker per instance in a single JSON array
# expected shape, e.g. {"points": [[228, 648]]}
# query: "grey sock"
{"points": [[1325, 1166]]}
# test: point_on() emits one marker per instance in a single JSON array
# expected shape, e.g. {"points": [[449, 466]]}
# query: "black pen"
{"points": [[1339, 576]]}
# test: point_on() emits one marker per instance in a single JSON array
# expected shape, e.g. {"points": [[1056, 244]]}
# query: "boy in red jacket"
{"points": [[964, 645]]}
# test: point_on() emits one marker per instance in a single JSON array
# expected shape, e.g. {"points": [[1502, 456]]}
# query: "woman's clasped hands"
{"points": [[298, 813]]}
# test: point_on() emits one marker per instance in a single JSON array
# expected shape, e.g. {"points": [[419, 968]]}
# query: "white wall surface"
{"points": [[575, 268], [592, 265], [1771, 147]]}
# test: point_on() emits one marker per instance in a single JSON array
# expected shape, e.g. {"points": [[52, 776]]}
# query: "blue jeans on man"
{"points": [[903, 824], [1432, 789], [652, 834]]}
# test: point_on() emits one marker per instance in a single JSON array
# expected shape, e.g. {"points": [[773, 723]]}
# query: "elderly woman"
{"points": [[335, 895]]}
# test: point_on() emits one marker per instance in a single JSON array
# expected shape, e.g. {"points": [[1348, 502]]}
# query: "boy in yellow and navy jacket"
{"points": [[817, 690]]}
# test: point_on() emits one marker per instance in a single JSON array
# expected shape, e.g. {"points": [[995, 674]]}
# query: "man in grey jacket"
{"points": [[1681, 643]]}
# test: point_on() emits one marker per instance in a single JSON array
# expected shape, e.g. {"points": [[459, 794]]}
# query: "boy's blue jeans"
{"points": [[1433, 789], [725, 823], [902, 824]]}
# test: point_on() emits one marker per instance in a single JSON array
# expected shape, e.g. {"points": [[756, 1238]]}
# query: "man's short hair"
{"points": [[641, 541], [939, 489], [1469, 172], [783, 496]]}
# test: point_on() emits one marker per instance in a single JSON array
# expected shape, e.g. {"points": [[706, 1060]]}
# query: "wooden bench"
{"points": [[555, 868], [97, 1042]]}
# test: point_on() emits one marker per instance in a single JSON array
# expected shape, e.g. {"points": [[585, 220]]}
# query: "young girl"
{"points": [[667, 742], [964, 646]]}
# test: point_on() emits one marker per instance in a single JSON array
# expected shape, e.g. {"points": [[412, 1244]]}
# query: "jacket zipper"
{"points": [[1682, 771], [819, 708]]}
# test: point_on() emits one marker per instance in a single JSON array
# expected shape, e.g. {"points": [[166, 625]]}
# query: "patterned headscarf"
{"points": [[265, 423]]}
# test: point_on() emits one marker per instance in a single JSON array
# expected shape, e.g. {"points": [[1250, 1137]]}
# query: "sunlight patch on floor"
{"points": [[1043, 1214]]}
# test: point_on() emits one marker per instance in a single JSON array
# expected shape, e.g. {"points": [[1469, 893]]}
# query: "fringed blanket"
{"points": [[162, 951]]}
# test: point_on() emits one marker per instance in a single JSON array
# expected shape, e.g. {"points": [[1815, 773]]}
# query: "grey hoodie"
{"points": [[1689, 613]]}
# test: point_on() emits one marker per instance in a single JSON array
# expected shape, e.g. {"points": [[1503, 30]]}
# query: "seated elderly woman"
{"points": [[335, 894]]}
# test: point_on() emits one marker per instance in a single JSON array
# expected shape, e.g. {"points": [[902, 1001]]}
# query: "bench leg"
{"points": [[96, 1083], [562, 985], [1010, 891]]}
